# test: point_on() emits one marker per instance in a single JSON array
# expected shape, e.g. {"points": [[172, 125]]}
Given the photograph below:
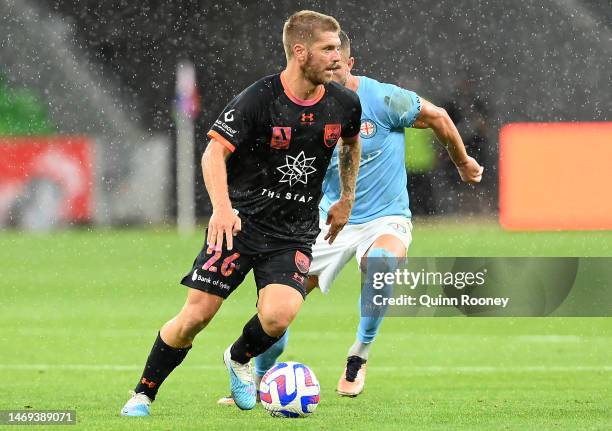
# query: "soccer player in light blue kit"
{"points": [[379, 227]]}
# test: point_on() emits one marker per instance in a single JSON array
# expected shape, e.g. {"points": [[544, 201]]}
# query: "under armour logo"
{"points": [[148, 383], [307, 118], [229, 116]]}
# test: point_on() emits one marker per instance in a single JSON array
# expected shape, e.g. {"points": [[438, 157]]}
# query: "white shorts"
{"points": [[353, 240]]}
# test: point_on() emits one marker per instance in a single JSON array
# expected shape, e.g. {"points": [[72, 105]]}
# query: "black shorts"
{"points": [[221, 272]]}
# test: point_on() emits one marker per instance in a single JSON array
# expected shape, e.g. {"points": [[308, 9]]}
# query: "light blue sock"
{"points": [[378, 260], [267, 359], [368, 327]]}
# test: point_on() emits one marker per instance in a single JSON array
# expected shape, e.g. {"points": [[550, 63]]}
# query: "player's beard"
{"points": [[314, 76]]}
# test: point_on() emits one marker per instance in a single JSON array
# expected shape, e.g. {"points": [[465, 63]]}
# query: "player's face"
{"points": [[323, 58], [341, 74]]}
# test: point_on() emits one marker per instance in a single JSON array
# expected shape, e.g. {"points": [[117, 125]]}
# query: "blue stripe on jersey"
{"points": [[381, 183]]}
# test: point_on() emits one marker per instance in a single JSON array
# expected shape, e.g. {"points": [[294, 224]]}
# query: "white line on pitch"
{"points": [[405, 369], [549, 338]]}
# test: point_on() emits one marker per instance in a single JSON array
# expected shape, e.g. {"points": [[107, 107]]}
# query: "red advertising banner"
{"points": [[45, 180], [555, 176]]}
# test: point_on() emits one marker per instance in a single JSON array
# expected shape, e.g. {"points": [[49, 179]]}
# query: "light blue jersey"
{"points": [[381, 183]]}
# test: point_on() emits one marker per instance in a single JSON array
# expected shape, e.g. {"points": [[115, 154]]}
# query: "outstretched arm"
{"points": [[437, 119], [349, 154], [224, 221]]}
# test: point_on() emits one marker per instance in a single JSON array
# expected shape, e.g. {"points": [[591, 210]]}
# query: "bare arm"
{"points": [[349, 154], [215, 174], [437, 119], [223, 220], [348, 163]]}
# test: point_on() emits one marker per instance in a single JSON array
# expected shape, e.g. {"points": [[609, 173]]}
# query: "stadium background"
{"points": [[80, 306], [108, 69]]}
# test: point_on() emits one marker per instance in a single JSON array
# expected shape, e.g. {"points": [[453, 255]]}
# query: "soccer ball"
{"points": [[290, 390]]}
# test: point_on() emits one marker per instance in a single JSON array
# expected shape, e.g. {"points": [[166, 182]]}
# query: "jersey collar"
{"points": [[297, 100]]}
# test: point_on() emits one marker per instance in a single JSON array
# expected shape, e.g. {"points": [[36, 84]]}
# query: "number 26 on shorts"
{"points": [[227, 266]]}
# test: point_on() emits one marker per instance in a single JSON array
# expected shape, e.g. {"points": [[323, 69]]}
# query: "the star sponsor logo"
{"points": [[295, 197], [296, 169]]}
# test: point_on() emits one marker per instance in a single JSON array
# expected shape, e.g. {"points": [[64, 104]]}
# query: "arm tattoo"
{"points": [[348, 162]]}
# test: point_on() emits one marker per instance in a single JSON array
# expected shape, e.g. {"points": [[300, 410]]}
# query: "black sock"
{"points": [[253, 342], [160, 363]]}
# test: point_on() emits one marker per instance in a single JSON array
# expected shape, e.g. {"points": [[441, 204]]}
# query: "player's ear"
{"points": [[300, 52], [350, 63]]}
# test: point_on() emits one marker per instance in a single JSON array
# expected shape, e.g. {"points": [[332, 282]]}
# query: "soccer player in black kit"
{"points": [[263, 170]]}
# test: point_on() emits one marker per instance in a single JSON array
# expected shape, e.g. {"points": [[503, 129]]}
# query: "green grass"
{"points": [[79, 311]]}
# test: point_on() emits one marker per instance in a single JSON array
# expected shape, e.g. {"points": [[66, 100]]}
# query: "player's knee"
{"points": [[381, 260], [277, 308], [275, 327], [194, 319], [275, 323]]}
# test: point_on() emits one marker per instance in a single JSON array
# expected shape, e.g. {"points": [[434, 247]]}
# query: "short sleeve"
{"points": [[351, 128], [403, 107], [235, 124]]}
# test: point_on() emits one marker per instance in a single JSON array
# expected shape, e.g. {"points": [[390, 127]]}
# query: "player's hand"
{"points": [[337, 217], [223, 222], [470, 171]]}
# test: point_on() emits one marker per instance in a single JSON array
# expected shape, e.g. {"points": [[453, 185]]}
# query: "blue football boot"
{"points": [[138, 405], [242, 385]]}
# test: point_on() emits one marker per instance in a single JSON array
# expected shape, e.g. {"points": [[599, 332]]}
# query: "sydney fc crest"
{"points": [[302, 262], [332, 134]]}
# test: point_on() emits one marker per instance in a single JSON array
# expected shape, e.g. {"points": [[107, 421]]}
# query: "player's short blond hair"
{"points": [[345, 43], [302, 27]]}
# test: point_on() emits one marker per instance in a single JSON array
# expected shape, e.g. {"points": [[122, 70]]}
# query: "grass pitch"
{"points": [[81, 309]]}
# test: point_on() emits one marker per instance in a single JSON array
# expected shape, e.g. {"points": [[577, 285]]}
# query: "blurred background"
{"points": [[91, 112]]}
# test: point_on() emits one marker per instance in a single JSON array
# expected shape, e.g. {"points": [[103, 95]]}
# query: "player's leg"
{"points": [[384, 254], [327, 261], [267, 359], [276, 308], [280, 278], [198, 311], [171, 347], [208, 287]]}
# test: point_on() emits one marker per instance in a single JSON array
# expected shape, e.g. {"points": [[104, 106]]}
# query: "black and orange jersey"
{"points": [[281, 147]]}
